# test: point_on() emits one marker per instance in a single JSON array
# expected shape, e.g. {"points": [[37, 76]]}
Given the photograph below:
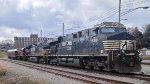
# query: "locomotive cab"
{"points": [[121, 49]]}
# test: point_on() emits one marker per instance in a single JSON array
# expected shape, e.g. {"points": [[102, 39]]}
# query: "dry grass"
{"points": [[3, 69], [8, 77], [19, 80], [22, 80], [3, 72], [16, 79], [3, 54]]}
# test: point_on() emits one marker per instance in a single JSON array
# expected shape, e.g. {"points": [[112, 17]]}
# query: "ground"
{"points": [[8, 77], [16, 74]]}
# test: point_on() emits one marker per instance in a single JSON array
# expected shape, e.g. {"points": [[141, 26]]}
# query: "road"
{"points": [[146, 67]]}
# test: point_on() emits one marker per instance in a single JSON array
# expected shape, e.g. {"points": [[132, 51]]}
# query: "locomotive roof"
{"points": [[102, 25], [110, 24]]}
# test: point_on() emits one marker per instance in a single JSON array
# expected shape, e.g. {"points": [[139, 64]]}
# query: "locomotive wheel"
{"points": [[92, 67], [17, 58], [21, 58], [101, 68], [41, 61], [51, 63], [57, 64], [38, 60], [24, 59], [83, 67], [82, 64]]}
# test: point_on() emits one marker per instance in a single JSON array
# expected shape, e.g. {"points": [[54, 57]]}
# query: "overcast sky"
{"points": [[23, 17]]}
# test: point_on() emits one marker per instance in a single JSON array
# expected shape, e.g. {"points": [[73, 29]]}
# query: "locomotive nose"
{"points": [[121, 36]]}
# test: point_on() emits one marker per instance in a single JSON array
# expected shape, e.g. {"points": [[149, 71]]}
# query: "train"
{"points": [[107, 46]]}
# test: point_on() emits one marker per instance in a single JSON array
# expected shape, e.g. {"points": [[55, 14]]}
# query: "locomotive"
{"points": [[107, 46]]}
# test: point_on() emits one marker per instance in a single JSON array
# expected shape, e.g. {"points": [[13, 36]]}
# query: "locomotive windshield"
{"points": [[112, 30]]}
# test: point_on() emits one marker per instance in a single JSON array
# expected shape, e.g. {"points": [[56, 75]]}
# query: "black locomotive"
{"points": [[107, 46]]}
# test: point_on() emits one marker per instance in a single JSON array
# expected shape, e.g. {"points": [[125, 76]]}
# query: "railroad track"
{"points": [[132, 75], [139, 76], [68, 74], [145, 63], [129, 75]]}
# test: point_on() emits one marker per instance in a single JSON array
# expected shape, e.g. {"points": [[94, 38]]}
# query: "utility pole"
{"points": [[119, 12], [63, 28], [41, 32]]}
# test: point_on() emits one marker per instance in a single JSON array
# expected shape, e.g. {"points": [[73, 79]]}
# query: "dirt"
{"points": [[17, 74]]}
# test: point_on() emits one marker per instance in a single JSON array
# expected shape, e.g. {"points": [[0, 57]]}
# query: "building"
{"points": [[21, 42], [6, 45]]}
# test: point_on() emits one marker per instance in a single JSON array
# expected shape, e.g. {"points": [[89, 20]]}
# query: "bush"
{"points": [[3, 72]]}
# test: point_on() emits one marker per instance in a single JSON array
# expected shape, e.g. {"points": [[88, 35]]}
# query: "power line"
{"points": [[126, 12], [124, 3], [72, 28], [135, 3], [110, 16], [114, 11], [131, 2], [125, 9], [128, 1], [105, 14]]}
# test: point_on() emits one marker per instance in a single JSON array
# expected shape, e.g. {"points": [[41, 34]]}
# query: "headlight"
{"points": [[123, 51], [102, 51]]}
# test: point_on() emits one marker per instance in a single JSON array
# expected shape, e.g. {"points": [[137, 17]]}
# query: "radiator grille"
{"points": [[111, 45], [119, 44]]}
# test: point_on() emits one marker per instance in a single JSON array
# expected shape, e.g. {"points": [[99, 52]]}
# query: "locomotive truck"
{"points": [[107, 46]]}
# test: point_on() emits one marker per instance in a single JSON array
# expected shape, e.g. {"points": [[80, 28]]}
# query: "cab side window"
{"points": [[80, 34], [74, 35]]}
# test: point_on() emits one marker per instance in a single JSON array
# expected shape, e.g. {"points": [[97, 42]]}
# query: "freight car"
{"points": [[12, 53], [107, 47]]}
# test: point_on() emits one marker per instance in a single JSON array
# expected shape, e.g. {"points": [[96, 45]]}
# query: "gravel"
{"points": [[146, 61], [39, 76], [48, 78], [146, 69]]}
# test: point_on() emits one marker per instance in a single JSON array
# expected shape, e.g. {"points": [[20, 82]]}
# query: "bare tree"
{"points": [[138, 36], [146, 38]]}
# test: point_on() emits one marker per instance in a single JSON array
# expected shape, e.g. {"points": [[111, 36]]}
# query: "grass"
{"points": [[3, 54]]}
